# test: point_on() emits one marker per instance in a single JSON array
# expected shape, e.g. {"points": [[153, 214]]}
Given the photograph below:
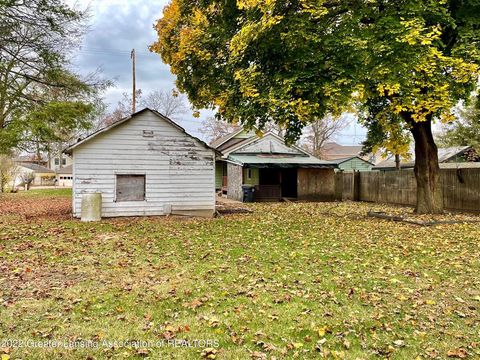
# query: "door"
{"points": [[269, 188], [289, 183]]}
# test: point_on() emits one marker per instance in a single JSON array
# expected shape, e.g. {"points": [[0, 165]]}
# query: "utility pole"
{"points": [[134, 100]]}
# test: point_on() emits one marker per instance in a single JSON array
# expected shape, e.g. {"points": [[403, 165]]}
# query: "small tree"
{"points": [[27, 178]]}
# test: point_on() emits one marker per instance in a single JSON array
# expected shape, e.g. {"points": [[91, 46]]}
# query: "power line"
{"points": [[107, 51]]}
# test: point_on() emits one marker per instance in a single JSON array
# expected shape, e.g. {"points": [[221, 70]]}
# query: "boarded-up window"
{"points": [[130, 188]]}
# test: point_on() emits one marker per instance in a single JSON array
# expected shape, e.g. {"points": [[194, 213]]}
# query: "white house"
{"points": [[42, 176], [142, 165]]}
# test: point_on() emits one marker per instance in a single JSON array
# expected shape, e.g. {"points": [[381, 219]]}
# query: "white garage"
{"points": [[144, 165]]}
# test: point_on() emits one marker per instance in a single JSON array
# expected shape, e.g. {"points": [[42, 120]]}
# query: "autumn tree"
{"points": [[386, 131], [254, 61]]}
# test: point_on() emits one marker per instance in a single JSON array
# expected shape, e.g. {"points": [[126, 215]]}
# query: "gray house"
{"points": [[448, 157], [143, 165]]}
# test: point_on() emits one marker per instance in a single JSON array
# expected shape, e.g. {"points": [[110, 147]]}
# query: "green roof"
{"points": [[278, 160]]}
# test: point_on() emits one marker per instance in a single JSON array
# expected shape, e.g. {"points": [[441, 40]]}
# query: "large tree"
{"points": [[39, 93], [293, 61]]}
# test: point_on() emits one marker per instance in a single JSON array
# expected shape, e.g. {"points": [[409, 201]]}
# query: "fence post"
{"points": [[339, 186], [356, 186]]}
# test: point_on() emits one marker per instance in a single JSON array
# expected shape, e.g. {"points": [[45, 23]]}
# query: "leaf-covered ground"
{"points": [[289, 280]]}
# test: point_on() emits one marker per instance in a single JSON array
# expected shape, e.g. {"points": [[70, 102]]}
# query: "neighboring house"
{"points": [[272, 168], [335, 151], [64, 176], [353, 163], [145, 164], [60, 161], [455, 157], [43, 176]]}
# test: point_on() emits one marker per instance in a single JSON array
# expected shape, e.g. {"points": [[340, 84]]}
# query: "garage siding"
{"points": [[316, 184]]}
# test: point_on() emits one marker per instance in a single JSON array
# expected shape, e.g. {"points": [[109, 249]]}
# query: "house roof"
{"points": [[241, 146], [37, 168], [80, 142], [268, 150], [343, 160], [29, 159], [65, 170], [332, 150], [460, 165], [278, 160], [444, 155], [223, 139], [271, 151]]}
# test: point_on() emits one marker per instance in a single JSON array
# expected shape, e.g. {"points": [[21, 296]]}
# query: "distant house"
{"points": [[272, 168], [57, 171], [449, 157], [335, 151], [64, 176], [353, 163], [42, 176], [145, 164]]}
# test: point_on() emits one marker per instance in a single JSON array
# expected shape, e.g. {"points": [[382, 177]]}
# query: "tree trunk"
{"points": [[427, 170], [397, 162]]}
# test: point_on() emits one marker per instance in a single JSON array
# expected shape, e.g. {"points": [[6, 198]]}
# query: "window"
{"points": [[130, 188], [249, 174], [64, 161], [57, 161]]}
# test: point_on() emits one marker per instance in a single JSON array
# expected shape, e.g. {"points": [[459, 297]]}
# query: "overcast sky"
{"points": [[118, 26]]}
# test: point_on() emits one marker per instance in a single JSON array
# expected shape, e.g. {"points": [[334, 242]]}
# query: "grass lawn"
{"points": [[289, 280]]}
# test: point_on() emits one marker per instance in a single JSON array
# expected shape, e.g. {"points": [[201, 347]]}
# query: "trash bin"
{"points": [[248, 191], [91, 207]]}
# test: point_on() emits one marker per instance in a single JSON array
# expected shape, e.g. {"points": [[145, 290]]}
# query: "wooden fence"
{"points": [[461, 187]]}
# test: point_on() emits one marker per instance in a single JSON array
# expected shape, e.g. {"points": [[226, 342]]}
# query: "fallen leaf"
{"points": [[322, 331], [399, 343], [457, 353]]}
